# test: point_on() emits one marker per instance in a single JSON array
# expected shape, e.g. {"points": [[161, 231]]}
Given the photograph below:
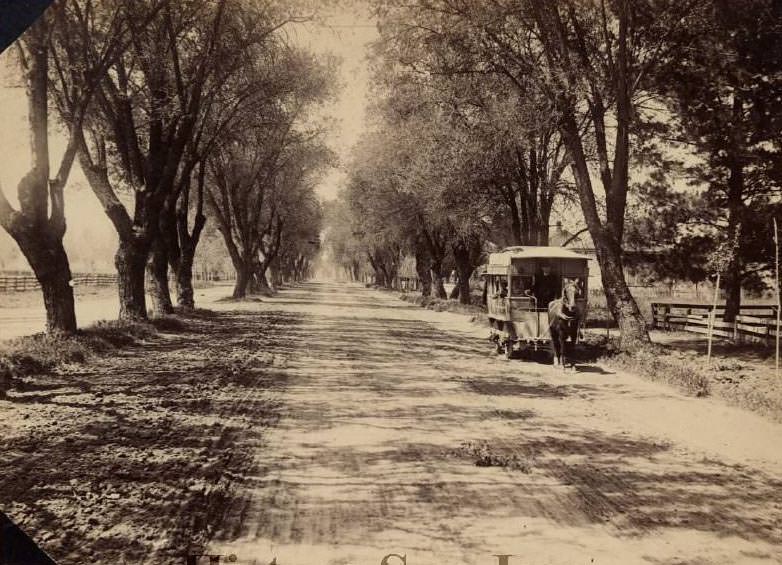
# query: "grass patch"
{"points": [[42, 353], [656, 363], [195, 313], [168, 324]]}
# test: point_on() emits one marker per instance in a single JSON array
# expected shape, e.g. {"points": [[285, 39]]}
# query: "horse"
{"points": [[564, 319]]}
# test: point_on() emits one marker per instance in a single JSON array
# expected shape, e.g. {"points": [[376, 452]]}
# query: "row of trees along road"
{"points": [[491, 115], [153, 96]]}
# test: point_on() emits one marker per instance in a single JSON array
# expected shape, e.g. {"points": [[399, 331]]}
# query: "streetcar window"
{"points": [[519, 285]]}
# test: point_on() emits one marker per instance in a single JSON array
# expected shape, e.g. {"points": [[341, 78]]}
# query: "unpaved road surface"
{"points": [[336, 425], [387, 409]]}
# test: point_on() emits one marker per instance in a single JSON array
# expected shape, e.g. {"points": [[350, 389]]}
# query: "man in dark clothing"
{"points": [[546, 286]]}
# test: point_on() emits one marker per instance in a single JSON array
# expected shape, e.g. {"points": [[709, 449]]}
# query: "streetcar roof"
{"points": [[505, 256]]}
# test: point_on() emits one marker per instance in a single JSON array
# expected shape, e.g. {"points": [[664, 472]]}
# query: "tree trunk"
{"points": [[39, 225], [425, 280], [58, 295], [733, 289], [130, 261], [243, 274], [437, 284], [515, 220], [437, 280], [184, 281], [464, 269], [621, 303], [456, 290], [49, 262], [423, 266], [159, 290], [259, 284]]}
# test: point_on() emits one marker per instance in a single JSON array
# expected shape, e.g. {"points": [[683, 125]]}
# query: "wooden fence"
{"points": [[19, 283], [755, 322]]}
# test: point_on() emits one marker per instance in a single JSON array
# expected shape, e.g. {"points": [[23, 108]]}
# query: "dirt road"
{"points": [[336, 425], [387, 409]]}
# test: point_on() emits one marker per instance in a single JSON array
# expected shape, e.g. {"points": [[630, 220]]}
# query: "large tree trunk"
{"points": [[39, 225], [515, 220], [58, 294], [275, 271], [436, 246], [188, 242], [438, 283], [259, 284], [130, 261], [49, 262], [183, 268], [424, 277], [464, 269], [243, 275], [184, 281], [159, 289], [466, 254], [423, 267], [621, 303], [733, 289], [437, 278]]}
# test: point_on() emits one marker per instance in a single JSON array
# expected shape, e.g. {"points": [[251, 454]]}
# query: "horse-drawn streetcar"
{"points": [[534, 293]]}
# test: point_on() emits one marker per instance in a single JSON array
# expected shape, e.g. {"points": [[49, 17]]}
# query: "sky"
{"points": [[347, 33], [344, 32]]}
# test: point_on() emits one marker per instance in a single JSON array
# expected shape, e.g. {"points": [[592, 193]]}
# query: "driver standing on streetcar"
{"points": [[546, 286]]}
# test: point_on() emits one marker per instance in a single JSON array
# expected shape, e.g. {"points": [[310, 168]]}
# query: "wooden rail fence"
{"points": [[755, 322], [19, 283]]}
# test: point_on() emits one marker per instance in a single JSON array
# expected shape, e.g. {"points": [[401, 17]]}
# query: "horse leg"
{"points": [[574, 331], [555, 345]]}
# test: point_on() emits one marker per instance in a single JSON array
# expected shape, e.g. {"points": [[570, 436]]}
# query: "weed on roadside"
{"points": [[485, 455]]}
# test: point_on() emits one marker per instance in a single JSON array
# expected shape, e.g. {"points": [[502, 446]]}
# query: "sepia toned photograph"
{"points": [[390, 282]]}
